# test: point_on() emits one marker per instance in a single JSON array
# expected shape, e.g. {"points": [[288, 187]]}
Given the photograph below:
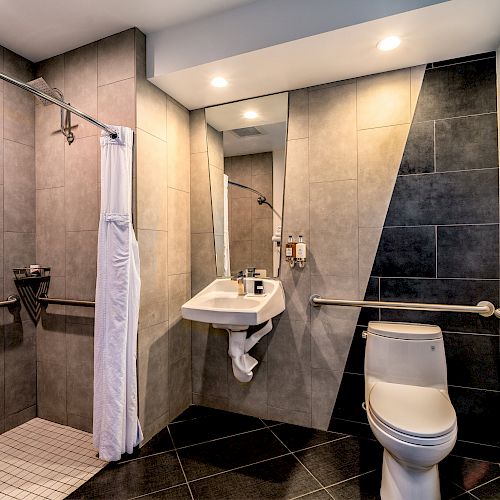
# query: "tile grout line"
{"points": [[471, 491], [180, 464], [296, 458]]}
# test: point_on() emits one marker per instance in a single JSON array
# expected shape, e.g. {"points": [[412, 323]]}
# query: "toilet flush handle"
{"points": [[364, 335]]}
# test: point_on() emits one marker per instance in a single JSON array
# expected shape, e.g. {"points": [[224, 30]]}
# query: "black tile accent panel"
{"points": [[278, 478], [468, 197], [458, 90], [473, 360], [368, 314], [418, 157], [228, 453], [222, 424], [343, 459], [467, 143], [134, 478], [356, 358], [468, 473], [350, 397], [406, 251], [442, 291], [296, 437], [458, 60], [477, 414], [468, 251]]}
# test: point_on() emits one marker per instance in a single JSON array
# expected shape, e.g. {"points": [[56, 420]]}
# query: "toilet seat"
{"points": [[418, 415]]}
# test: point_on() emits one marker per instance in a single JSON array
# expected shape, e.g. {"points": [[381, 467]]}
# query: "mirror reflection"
{"points": [[246, 148]]}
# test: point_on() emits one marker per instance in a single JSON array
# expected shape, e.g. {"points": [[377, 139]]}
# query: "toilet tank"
{"points": [[405, 353]]}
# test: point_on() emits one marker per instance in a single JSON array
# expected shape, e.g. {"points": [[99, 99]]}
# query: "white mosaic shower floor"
{"points": [[42, 459]]}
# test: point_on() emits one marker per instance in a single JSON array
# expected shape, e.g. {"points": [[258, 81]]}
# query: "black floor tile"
{"points": [[159, 443], [317, 495], [298, 438], [138, 477], [490, 491], [468, 473], [359, 429], [176, 493], [281, 478], [477, 451], [195, 411], [228, 453], [343, 459], [220, 425], [365, 487]]}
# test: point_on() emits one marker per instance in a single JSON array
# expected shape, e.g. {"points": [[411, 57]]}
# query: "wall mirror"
{"points": [[246, 152]]}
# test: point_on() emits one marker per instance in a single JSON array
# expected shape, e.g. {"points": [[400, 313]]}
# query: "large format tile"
{"points": [[342, 459], [468, 473], [178, 146], [325, 386], [488, 491], [298, 114], [383, 99], [151, 109], [200, 199], [441, 291], [19, 187], [221, 425], [51, 391], [406, 251], [468, 251], [332, 133], [116, 57], [467, 197], [228, 453], [418, 157], [116, 103], [134, 478], [198, 131], [379, 156], [452, 91], [298, 438], [18, 115], [180, 385], [467, 143], [281, 477], [175, 493]]}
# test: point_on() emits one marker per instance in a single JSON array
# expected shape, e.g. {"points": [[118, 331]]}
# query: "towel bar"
{"points": [[45, 301]]}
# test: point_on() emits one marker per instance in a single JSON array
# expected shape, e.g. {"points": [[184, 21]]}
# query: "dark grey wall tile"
{"points": [[467, 143], [472, 360], [406, 251], [356, 359], [468, 251], [457, 60], [448, 198], [372, 293], [442, 291], [350, 397], [418, 156], [457, 90], [477, 421]]}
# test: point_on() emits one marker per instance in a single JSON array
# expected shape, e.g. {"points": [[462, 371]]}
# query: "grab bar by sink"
{"points": [[10, 301], [484, 308]]}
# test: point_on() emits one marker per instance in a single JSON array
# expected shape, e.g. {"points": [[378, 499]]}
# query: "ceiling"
{"points": [[442, 31], [272, 114], [40, 29]]}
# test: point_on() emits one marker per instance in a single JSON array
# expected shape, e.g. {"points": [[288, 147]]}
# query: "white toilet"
{"points": [[409, 411]]}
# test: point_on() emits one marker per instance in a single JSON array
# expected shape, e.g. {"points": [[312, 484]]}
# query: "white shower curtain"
{"points": [[116, 424]]}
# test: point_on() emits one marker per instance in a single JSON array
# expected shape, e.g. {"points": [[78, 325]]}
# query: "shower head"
{"points": [[41, 85]]}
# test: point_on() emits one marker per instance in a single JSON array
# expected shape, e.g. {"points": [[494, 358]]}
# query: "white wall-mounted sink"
{"points": [[220, 304]]}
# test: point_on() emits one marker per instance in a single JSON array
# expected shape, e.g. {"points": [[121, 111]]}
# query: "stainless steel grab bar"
{"points": [[45, 301], [10, 301], [484, 308]]}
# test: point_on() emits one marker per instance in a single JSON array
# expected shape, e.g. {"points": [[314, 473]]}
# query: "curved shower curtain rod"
{"points": [[260, 200], [59, 103]]}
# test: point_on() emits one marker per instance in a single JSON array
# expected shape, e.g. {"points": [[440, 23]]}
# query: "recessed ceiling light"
{"points": [[389, 43], [250, 114], [219, 81]]}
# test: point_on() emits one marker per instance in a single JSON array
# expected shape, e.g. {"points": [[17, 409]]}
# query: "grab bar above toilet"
{"points": [[484, 308]]}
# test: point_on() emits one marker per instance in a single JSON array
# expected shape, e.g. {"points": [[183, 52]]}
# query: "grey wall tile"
{"points": [[179, 242], [332, 133], [179, 291], [151, 109], [52, 71], [325, 386], [51, 391], [178, 146], [180, 390], [20, 417], [116, 57], [202, 261], [198, 131], [179, 339], [200, 199], [289, 416], [298, 114], [418, 157], [81, 185], [19, 182], [116, 103]]}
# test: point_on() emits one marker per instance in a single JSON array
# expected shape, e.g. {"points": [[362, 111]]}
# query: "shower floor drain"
{"points": [[42, 459]]}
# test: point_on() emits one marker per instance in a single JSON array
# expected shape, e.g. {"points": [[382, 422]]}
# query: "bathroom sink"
{"points": [[220, 304]]}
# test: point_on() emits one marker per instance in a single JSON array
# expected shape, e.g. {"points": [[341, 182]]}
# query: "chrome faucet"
{"points": [[240, 279]]}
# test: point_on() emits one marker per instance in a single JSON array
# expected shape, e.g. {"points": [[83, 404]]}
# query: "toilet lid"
{"points": [[413, 410], [405, 331]]}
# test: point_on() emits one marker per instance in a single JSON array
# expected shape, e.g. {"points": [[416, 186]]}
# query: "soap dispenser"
{"points": [[301, 252], [290, 251]]}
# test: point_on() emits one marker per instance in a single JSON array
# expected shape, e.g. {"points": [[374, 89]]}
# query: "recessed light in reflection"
{"points": [[389, 43], [250, 115], [219, 81]]}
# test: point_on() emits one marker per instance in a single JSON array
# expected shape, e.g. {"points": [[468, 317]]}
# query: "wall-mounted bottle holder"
{"points": [[296, 252], [31, 283]]}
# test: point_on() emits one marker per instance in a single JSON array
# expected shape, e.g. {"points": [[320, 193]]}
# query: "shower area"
{"points": [[50, 190]]}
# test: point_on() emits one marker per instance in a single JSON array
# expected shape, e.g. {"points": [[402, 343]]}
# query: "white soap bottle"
{"points": [[301, 252]]}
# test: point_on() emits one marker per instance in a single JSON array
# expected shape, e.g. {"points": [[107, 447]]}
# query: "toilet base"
{"points": [[400, 482]]}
